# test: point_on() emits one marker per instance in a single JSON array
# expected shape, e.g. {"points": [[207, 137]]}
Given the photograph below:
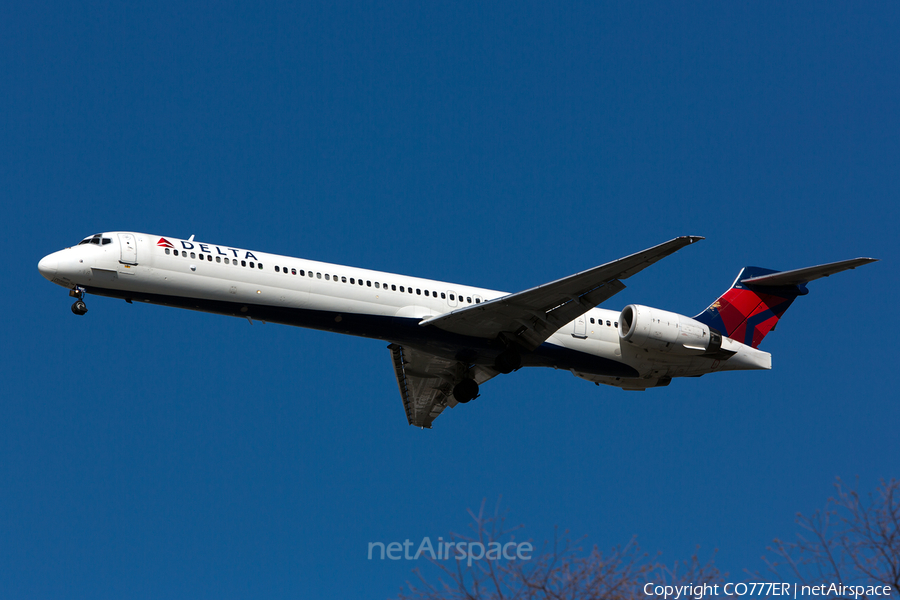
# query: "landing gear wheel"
{"points": [[79, 308], [465, 390], [508, 361]]}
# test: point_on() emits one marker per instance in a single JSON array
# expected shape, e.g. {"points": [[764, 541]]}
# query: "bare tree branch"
{"points": [[851, 541], [559, 570]]}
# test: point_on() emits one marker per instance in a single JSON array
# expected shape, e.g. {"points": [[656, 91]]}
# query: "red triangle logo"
{"points": [[165, 243]]}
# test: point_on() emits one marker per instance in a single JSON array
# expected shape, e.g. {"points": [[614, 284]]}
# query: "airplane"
{"points": [[447, 339]]}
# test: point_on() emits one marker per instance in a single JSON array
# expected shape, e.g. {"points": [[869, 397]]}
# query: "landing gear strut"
{"points": [[79, 308], [465, 390]]}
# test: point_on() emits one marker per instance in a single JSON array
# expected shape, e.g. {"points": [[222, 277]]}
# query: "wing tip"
{"points": [[690, 239]]}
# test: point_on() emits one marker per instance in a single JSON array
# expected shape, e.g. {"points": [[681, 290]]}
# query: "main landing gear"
{"points": [[79, 308], [465, 390], [508, 361]]}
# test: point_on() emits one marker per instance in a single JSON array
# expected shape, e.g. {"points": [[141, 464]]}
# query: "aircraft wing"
{"points": [[426, 382], [532, 316]]}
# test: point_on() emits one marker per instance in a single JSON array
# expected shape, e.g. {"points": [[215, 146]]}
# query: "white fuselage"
{"points": [[269, 287]]}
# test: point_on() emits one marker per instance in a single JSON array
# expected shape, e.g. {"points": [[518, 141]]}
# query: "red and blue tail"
{"points": [[746, 312], [759, 297]]}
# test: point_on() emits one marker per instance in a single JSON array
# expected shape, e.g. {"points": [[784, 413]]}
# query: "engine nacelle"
{"points": [[665, 331]]}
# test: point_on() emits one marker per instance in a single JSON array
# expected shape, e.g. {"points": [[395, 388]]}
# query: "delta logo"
{"points": [[235, 253]]}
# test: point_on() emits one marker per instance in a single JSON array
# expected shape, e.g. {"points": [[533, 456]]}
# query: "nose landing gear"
{"points": [[79, 308]]}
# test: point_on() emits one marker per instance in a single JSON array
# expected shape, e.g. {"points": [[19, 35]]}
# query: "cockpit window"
{"points": [[97, 238]]}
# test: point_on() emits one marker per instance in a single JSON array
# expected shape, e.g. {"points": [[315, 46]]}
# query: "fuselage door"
{"points": [[128, 248], [580, 330]]}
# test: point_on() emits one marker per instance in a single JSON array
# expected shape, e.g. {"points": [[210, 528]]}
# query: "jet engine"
{"points": [[665, 331]]}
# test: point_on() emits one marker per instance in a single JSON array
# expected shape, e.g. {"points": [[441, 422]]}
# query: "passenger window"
{"points": [[278, 269], [376, 285], [193, 255], [251, 264], [327, 277], [426, 292], [259, 266], [369, 283], [607, 323], [209, 257], [294, 272], [401, 288], [226, 261], [477, 300], [616, 324], [418, 291], [360, 282], [468, 300], [451, 297], [443, 296], [394, 287], [243, 263], [344, 280], [409, 290], [352, 281], [167, 250], [592, 320], [218, 259]]}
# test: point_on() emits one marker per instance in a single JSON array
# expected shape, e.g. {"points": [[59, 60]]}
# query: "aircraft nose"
{"points": [[48, 266]]}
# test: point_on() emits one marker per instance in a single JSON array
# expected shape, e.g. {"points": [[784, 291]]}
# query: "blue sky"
{"points": [[147, 452]]}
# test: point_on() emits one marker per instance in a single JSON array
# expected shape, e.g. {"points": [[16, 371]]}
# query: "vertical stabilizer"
{"points": [[758, 298], [747, 312]]}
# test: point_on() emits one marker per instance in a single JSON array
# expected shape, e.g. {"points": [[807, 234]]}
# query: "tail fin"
{"points": [[759, 297]]}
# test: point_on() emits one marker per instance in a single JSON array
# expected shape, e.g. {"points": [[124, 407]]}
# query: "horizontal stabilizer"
{"points": [[801, 276]]}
